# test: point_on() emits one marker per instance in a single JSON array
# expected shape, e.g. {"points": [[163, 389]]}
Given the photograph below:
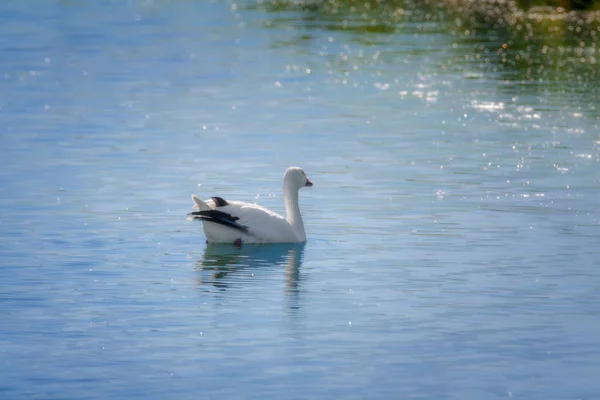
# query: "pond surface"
{"points": [[453, 225]]}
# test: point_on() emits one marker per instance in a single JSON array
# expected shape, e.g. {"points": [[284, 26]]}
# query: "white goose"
{"points": [[237, 222]]}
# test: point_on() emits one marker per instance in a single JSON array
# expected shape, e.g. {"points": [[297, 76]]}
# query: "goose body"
{"points": [[232, 221]]}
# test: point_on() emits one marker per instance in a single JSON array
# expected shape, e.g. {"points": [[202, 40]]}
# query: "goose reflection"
{"points": [[224, 265]]}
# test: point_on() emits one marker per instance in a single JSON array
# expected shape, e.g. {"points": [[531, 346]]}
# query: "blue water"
{"points": [[453, 227]]}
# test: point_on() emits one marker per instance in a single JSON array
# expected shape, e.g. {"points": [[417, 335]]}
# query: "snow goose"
{"points": [[237, 222]]}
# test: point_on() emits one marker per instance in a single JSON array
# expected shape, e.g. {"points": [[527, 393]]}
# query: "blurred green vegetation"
{"points": [[566, 4], [523, 41], [538, 43]]}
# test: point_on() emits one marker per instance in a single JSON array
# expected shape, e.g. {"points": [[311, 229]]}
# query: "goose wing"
{"points": [[251, 219]]}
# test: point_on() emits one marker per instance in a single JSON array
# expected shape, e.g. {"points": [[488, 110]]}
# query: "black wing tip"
{"points": [[219, 217], [219, 201]]}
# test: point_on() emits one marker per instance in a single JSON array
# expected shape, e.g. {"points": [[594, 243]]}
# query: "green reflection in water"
{"points": [[540, 51]]}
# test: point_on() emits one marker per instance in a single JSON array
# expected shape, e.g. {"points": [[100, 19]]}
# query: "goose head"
{"points": [[295, 178]]}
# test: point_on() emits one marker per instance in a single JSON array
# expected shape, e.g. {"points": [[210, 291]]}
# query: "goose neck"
{"points": [[292, 209]]}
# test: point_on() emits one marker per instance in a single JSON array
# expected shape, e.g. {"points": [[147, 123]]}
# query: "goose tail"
{"points": [[199, 205]]}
